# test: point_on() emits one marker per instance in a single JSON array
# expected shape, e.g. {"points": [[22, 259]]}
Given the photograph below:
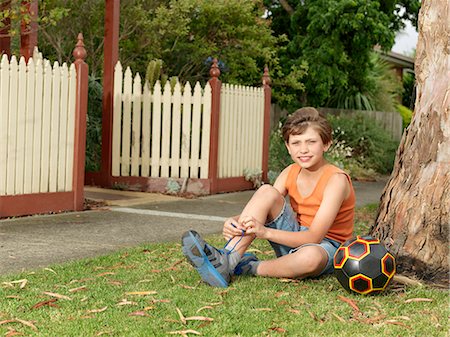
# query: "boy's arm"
{"points": [[280, 182], [336, 191]]}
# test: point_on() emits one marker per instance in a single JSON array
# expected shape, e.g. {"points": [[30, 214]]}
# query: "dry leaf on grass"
{"points": [[49, 303], [371, 320], [159, 301], [263, 309], [141, 293], [180, 314], [294, 311], [15, 297], [349, 302], [74, 290], [22, 283], [11, 332], [124, 301], [412, 300], [148, 308], [51, 270], [277, 329], [62, 297], [339, 318], [139, 313], [203, 308], [281, 293], [199, 318], [394, 322], [21, 321], [172, 267], [186, 287], [93, 311], [288, 280], [106, 273], [184, 333]]}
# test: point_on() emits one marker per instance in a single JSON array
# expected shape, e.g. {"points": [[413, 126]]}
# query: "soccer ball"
{"points": [[363, 265]]}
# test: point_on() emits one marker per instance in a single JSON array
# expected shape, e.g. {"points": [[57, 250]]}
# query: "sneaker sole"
{"points": [[207, 272]]}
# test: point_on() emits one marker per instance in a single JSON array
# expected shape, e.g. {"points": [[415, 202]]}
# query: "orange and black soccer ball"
{"points": [[363, 265]]}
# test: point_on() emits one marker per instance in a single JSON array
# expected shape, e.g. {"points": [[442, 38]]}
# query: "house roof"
{"points": [[396, 59]]}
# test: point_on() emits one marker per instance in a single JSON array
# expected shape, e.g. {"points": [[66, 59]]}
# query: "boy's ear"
{"points": [[287, 147], [327, 146]]}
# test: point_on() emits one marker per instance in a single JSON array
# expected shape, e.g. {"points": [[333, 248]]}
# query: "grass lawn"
{"points": [[152, 291]]}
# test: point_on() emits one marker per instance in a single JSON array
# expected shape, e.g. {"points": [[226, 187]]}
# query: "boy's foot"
{"points": [[247, 265], [211, 263]]}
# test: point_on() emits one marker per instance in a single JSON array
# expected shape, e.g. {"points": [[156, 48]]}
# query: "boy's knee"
{"points": [[312, 259], [269, 192]]}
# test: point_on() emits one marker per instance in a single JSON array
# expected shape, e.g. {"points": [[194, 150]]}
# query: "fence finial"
{"points": [[79, 53], [214, 71], [266, 78]]}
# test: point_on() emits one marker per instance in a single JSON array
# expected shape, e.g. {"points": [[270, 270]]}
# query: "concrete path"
{"points": [[131, 218]]}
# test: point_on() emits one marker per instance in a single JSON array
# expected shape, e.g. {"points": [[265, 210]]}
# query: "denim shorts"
{"points": [[287, 221]]}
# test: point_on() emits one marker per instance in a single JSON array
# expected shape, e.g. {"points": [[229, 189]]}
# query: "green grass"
{"points": [[102, 305]]}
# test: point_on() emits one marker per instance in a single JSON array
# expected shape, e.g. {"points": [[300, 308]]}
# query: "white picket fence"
{"points": [[37, 109], [241, 130], [165, 132], [159, 133]]}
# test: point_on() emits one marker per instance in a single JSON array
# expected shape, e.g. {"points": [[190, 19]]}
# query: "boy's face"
{"points": [[307, 149]]}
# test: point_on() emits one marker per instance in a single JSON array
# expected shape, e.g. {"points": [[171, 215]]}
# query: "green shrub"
{"points": [[405, 113], [279, 157], [94, 125], [369, 146]]}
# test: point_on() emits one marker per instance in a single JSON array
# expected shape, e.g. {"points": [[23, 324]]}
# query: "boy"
{"points": [[305, 234]]}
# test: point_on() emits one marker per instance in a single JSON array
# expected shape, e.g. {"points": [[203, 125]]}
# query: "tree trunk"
{"points": [[414, 215]]}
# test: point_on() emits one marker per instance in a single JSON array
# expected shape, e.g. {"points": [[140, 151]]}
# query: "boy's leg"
{"points": [[264, 206], [306, 261]]}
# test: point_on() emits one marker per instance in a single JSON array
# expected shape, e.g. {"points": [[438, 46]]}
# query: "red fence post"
{"points": [[29, 31], [5, 38], [266, 133], [111, 56], [216, 85], [79, 54]]}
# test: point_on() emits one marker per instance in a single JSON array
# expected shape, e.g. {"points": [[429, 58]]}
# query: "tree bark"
{"points": [[414, 215]]}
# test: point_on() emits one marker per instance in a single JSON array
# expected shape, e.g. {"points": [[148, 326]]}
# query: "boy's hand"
{"points": [[232, 228], [252, 226]]}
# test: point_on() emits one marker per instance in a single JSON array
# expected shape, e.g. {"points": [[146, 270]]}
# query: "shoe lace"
{"points": [[234, 246]]}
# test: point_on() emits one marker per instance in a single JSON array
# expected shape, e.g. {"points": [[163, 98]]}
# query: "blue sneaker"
{"points": [[247, 265], [211, 263]]}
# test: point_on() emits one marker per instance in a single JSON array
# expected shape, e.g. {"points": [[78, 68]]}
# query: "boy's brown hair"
{"points": [[301, 119]]}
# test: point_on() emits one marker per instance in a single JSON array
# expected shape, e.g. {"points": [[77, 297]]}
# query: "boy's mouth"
{"points": [[304, 158]]}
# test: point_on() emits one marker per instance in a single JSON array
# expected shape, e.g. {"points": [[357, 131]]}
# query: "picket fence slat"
{"points": [[62, 144], [126, 128], [156, 130], [206, 130], [46, 118], [12, 126], [165, 135], [136, 128], [117, 120], [185, 131], [37, 127], [4, 98], [29, 132], [20, 140], [176, 133], [146, 136], [71, 128], [37, 118]]}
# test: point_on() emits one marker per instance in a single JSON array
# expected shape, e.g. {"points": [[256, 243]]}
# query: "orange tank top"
{"points": [[307, 207]]}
